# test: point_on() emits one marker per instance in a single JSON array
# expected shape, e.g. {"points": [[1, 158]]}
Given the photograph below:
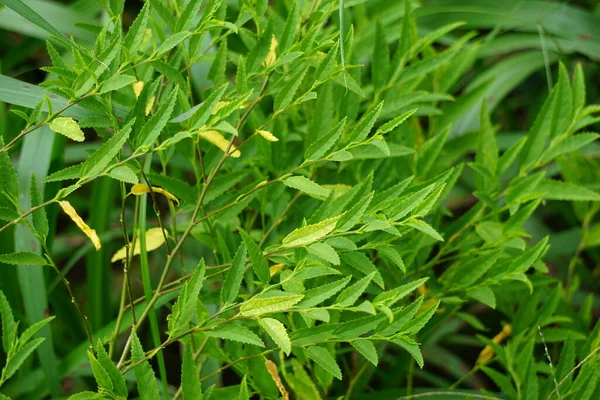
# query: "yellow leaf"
{"points": [[267, 135], [272, 369], [90, 233], [218, 140], [150, 104], [139, 189], [154, 239], [67, 127], [137, 88], [272, 55], [274, 269], [488, 352], [218, 106]]}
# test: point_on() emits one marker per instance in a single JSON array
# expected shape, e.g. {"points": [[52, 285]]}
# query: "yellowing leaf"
{"points": [[139, 189], [68, 127], [137, 88], [487, 353], [272, 369], [150, 104], [218, 106], [154, 239], [267, 135], [274, 269], [90, 233], [272, 55], [218, 140]]}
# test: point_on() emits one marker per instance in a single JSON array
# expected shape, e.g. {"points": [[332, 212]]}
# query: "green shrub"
{"points": [[304, 195]]}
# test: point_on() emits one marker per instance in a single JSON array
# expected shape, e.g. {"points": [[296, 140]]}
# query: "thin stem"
{"points": [[28, 212]]}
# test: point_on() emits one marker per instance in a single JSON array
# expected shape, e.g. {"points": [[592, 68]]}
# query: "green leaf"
{"points": [[324, 252], [23, 258], [578, 88], [9, 183], [484, 295], [420, 321], [216, 73], [67, 127], [190, 382], [259, 261], [424, 227], [17, 359], [367, 349], [144, 375], [100, 375], [364, 126], [349, 296], [319, 294], [202, 111], [118, 381], [470, 271], [305, 185], [412, 349], [157, 123], [278, 333], [391, 125], [86, 395], [170, 72], [311, 233], [391, 297], [40, 221], [134, 36], [7, 214], [235, 332], [188, 15], [429, 153], [124, 173], [269, 305], [99, 160], [117, 82], [9, 332], [290, 28], [322, 357], [394, 256], [68, 173], [380, 64], [184, 309], [326, 66], [244, 393], [321, 146], [241, 76], [288, 91], [567, 145], [233, 281], [353, 215], [362, 263], [558, 190], [172, 41]]}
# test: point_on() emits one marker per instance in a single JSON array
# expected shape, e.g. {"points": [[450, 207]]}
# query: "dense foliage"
{"points": [[299, 199]]}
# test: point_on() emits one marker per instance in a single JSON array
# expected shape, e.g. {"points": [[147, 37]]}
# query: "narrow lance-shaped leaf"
{"points": [[363, 127], [9, 184], [144, 375], [259, 261], [380, 62], [233, 281], [305, 185], [325, 360], [310, 233], [237, 333], [157, 123], [288, 91], [99, 160], [185, 307], [40, 221], [321, 146], [134, 36], [8, 324], [190, 381]]}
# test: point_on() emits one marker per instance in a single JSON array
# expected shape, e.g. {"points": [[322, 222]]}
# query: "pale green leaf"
{"points": [[124, 173], [305, 185], [278, 333], [68, 127], [237, 333], [319, 294], [424, 227], [324, 252], [269, 305], [311, 233], [322, 357], [117, 82]]}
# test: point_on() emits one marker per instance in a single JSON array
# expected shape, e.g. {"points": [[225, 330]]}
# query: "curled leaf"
{"points": [[488, 352], [218, 140], [137, 88], [154, 239], [272, 369], [267, 135], [89, 232], [139, 189]]}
